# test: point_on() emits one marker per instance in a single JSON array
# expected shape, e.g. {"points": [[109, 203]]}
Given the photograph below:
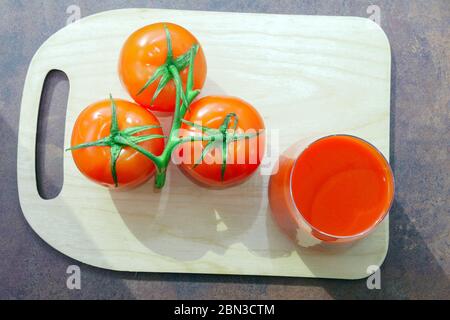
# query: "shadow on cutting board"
{"points": [[166, 223]]}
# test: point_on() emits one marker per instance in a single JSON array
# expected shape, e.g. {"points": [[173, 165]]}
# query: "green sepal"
{"points": [[205, 151], [169, 45], [128, 141], [134, 130], [115, 153], [158, 73], [198, 126], [139, 139], [224, 158], [238, 137], [182, 62], [114, 123], [226, 138], [226, 122], [165, 78], [99, 143], [180, 96]]}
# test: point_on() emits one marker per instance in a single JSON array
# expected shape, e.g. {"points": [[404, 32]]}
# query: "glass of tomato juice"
{"points": [[331, 190]]}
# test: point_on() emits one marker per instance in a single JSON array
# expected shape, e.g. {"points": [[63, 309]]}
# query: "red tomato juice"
{"points": [[340, 185]]}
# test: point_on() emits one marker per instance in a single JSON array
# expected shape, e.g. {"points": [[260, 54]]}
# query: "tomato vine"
{"points": [[215, 138]]}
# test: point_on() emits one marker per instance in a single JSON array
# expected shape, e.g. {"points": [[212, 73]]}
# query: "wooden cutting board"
{"points": [[307, 75]]}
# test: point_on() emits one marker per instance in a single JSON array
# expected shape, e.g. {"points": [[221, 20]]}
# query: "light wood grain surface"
{"points": [[306, 75]]}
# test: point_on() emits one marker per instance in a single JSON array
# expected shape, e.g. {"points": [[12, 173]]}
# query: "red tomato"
{"points": [[132, 167], [146, 50], [243, 156]]}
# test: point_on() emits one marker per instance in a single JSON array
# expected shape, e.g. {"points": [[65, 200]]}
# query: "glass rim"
{"points": [[363, 233]]}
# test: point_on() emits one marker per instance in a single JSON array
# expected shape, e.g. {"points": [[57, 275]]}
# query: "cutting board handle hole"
{"points": [[50, 134]]}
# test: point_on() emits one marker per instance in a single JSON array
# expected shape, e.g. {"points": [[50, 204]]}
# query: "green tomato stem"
{"points": [[160, 178]]}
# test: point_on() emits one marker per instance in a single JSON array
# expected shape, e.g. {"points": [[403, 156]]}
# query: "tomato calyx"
{"points": [[220, 138], [164, 72], [118, 139]]}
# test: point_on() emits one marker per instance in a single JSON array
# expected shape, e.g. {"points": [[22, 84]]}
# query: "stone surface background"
{"points": [[418, 262]]}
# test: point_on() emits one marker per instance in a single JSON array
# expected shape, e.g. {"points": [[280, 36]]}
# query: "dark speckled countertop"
{"points": [[418, 262]]}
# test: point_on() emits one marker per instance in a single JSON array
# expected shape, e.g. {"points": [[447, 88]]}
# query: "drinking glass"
{"points": [[330, 190]]}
